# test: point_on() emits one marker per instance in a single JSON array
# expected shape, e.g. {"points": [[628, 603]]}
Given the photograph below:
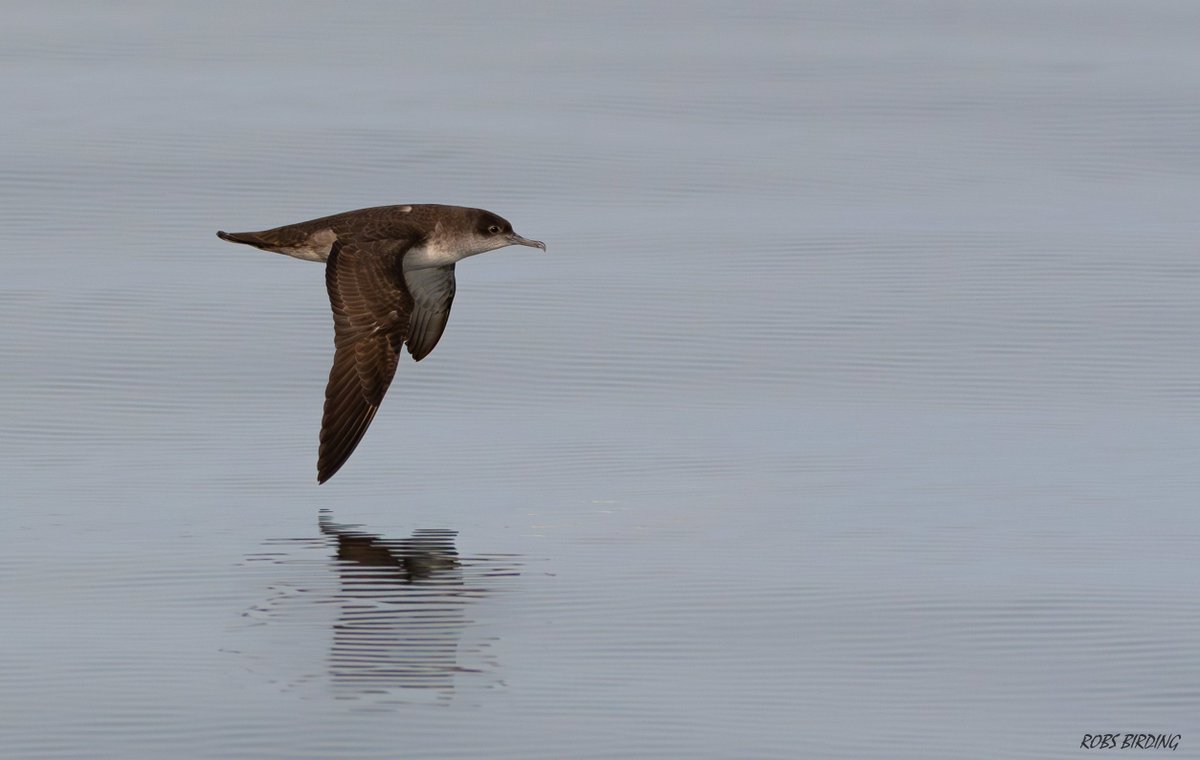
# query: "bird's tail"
{"points": [[247, 238]]}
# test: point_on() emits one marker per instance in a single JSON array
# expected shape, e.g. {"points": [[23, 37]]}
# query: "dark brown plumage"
{"points": [[390, 276]]}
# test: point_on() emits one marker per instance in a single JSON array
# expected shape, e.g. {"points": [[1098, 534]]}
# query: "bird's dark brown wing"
{"points": [[371, 312]]}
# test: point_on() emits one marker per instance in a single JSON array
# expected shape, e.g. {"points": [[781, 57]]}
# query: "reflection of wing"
{"points": [[432, 292], [371, 311]]}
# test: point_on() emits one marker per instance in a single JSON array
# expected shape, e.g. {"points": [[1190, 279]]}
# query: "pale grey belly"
{"points": [[316, 248]]}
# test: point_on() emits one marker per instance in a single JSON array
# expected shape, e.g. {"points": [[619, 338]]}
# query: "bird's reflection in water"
{"points": [[402, 607], [403, 610], [426, 555]]}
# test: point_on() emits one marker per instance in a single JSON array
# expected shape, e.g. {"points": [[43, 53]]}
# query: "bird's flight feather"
{"points": [[375, 310]]}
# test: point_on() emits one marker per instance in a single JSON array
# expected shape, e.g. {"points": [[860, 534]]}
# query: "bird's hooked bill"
{"points": [[516, 239]]}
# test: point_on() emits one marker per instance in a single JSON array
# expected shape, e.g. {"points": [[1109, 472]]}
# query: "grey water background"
{"points": [[852, 412]]}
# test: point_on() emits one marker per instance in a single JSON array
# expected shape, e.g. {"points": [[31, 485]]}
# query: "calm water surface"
{"points": [[853, 412]]}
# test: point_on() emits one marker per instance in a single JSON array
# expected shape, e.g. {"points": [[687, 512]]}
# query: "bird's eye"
{"points": [[494, 229]]}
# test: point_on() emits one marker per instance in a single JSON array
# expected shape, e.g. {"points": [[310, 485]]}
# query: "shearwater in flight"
{"points": [[389, 271]]}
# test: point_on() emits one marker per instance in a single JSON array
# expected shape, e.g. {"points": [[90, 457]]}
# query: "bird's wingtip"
{"points": [[326, 470]]}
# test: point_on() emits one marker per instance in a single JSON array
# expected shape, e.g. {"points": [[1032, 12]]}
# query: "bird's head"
{"points": [[490, 231]]}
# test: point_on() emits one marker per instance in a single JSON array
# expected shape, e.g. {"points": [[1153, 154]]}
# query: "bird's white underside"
{"points": [[316, 248]]}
